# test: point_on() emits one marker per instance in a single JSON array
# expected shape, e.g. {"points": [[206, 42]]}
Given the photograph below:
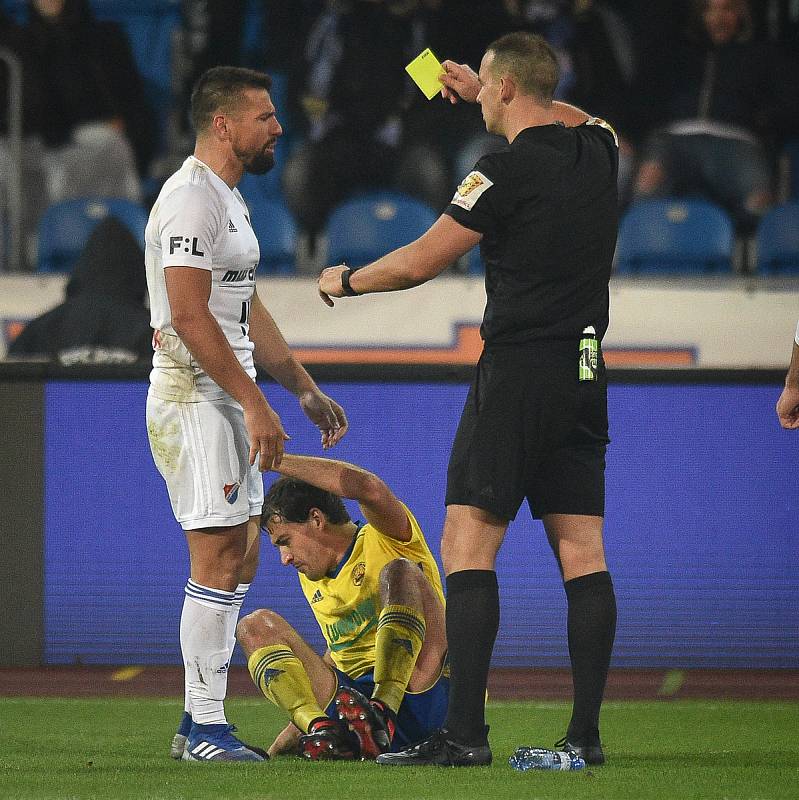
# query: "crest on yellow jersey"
{"points": [[358, 573]]}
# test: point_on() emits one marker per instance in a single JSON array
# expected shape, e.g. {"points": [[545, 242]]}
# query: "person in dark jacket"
{"points": [[103, 319], [89, 76], [727, 99]]}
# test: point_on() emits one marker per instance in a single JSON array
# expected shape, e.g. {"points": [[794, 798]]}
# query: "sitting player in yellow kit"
{"points": [[375, 591]]}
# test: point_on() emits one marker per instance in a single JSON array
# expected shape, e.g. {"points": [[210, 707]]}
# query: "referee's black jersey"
{"points": [[547, 208]]}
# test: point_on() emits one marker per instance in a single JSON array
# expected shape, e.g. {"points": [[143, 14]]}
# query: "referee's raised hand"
{"points": [[459, 82]]}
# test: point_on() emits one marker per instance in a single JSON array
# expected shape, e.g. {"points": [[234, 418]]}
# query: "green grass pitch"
{"points": [[54, 748]]}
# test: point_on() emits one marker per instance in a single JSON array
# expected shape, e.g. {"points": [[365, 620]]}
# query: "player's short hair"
{"points": [[529, 60], [291, 500], [222, 89]]}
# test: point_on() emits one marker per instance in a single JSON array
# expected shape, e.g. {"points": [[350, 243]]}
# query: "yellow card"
{"points": [[425, 69]]}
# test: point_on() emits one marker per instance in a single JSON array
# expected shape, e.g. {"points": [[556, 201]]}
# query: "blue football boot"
{"points": [[217, 743]]}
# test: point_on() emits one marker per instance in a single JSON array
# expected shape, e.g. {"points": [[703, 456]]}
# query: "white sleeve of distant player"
{"points": [[796, 335], [190, 224]]}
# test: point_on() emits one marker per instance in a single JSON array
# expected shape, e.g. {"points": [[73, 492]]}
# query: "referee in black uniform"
{"points": [[544, 211]]}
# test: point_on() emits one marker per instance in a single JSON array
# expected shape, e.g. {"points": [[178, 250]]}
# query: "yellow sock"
{"points": [[400, 634], [280, 675]]}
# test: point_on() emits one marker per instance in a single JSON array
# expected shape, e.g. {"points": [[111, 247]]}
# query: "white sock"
{"points": [[238, 601], [186, 695], [204, 626], [233, 619]]}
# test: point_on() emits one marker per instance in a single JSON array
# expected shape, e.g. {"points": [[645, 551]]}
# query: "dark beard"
{"points": [[260, 164]]}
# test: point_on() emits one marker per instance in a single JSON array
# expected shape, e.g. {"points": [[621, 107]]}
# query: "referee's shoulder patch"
{"points": [[606, 125], [470, 189]]}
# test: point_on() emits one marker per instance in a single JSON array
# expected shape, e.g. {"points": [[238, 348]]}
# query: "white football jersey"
{"points": [[199, 221]]}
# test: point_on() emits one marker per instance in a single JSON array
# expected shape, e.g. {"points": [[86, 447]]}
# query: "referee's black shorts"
{"points": [[531, 429]]}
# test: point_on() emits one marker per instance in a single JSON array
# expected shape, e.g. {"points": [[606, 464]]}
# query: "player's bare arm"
{"points": [[788, 404], [188, 290], [411, 265], [273, 354], [379, 504]]}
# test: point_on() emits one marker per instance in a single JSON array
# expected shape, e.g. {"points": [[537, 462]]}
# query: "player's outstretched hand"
{"points": [[329, 283], [788, 408], [286, 741], [326, 414], [266, 436], [459, 81]]}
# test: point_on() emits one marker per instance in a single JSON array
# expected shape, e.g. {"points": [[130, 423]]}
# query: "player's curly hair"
{"points": [[291, 500], [221, 89]]}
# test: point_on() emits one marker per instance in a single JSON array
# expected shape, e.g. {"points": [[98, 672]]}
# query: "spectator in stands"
{"points": [[12, 37], [355, 93], [94, 97], [103, 319], [727, 100], [88, 128]]}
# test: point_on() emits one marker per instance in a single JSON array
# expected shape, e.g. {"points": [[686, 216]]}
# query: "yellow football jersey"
{"points": [[346, 604]]}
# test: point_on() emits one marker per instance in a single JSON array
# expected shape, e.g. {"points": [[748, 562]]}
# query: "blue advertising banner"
{"points": [[701, 531]]}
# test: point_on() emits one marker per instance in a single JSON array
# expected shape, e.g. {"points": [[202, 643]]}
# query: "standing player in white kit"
{"points": [[210, 427]]}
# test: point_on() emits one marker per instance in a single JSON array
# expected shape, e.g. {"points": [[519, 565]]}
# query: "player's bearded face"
{"points": [[256, 132], [257, 161]]}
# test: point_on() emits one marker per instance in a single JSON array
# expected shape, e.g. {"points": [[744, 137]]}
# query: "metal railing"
{"points": [[11, 247]]}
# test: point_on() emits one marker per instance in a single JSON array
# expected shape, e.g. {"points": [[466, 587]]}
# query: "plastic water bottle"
{"points": [[526, 758]]}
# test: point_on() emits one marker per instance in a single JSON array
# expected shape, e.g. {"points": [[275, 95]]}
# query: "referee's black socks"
{"points": [[472, 624], [591, 630]]}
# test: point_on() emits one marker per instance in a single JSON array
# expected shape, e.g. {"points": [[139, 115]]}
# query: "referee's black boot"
{"points": [[440, 751], [589, 749]]}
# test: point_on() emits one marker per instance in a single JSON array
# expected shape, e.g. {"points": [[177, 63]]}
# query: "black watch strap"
{"points": [[345, 283]]}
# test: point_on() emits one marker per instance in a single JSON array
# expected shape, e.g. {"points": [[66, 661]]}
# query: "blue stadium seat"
{"points": [[778, 241], [66, 226], [675, 236], [277, 235], [369, 226]]}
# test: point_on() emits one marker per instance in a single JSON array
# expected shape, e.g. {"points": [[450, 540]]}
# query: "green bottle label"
{"points": [[589, 357]]}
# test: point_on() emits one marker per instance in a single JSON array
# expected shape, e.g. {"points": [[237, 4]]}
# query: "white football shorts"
{"points": [[202, 452]]}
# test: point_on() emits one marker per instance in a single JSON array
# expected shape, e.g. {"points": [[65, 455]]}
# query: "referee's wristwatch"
{"points": [[345, 283]]}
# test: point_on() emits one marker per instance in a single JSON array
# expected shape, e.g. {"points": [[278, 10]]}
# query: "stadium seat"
{"points": [[65, 227], [778, 241], [675, 236], [369, 226], [277, 235]]}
